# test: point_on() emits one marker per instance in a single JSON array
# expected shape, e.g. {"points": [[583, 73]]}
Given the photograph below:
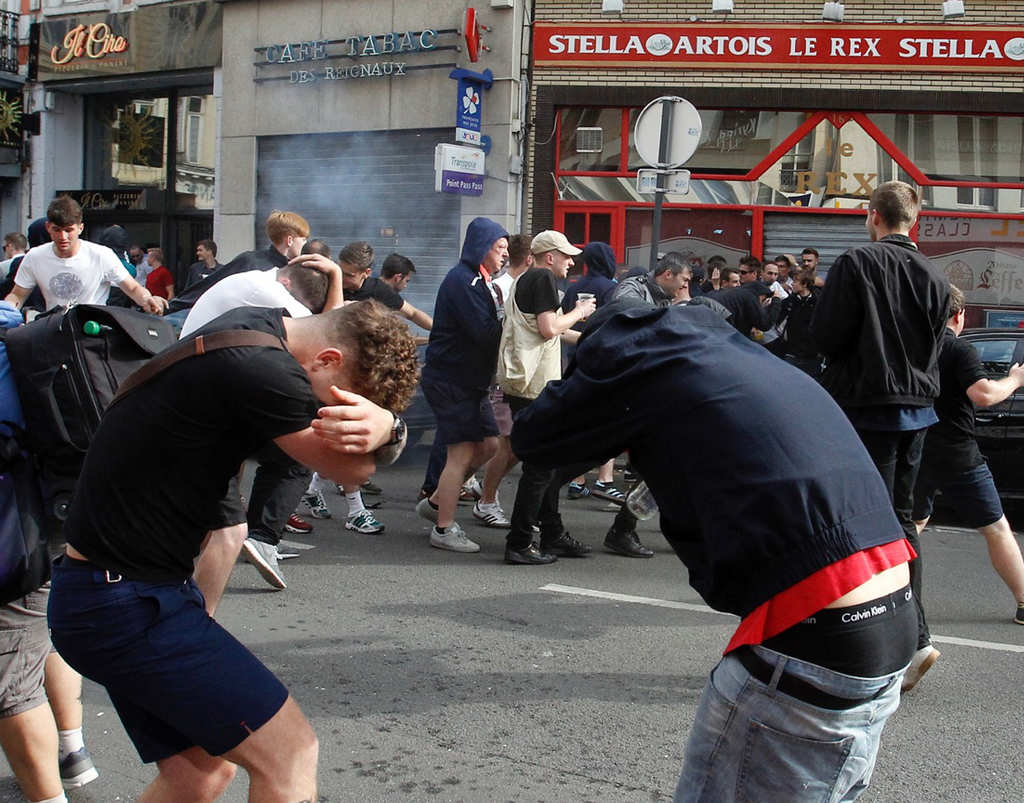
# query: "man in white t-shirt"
{"points": [[70, 270], [302, 287]]}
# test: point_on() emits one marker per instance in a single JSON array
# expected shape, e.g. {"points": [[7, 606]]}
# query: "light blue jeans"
{"points": [[752, 744]]}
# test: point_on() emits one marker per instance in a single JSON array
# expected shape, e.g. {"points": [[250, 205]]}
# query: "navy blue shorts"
{"points": [[971, 493], [464, 415], [176, 677]]}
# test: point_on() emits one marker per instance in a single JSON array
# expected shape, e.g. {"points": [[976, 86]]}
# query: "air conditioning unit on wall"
{"points": [[589, 140]]}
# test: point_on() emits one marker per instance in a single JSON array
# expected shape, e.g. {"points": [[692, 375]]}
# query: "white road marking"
{"points": [[659, 603], [981, 645], [690, 606]]}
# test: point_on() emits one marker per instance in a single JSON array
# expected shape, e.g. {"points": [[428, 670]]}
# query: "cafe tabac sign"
{"points": [[152, 39]]}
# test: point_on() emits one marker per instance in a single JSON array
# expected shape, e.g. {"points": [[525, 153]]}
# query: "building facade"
{"points": [[336, 111], [128, 117], [800, 119]]}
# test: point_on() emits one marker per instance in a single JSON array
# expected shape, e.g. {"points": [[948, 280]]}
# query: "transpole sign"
{"points": [[923, 48]]}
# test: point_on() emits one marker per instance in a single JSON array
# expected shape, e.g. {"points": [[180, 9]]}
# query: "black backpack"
{"points": [[67, 365]]}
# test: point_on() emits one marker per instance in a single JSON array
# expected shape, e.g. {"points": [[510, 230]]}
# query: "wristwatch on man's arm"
{"points": [[390, 451]]}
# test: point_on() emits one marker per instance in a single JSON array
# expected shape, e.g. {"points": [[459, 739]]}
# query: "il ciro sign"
{"points": [[90, 42]]}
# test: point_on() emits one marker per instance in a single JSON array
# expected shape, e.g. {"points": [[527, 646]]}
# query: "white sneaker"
{"points": [[491, 515], [454, 539], [922, 661], [427, 511], [364, 522]]}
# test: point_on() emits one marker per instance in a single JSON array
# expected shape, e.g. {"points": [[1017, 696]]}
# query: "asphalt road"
{"points": [[434, 676]]}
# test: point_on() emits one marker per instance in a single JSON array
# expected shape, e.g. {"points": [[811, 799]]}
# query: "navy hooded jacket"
{"points": [[752, 507], [463, 347], [598, 277]]}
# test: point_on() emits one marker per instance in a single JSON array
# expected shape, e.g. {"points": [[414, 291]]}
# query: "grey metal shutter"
{"points": [[831, 235], [375, 186]]}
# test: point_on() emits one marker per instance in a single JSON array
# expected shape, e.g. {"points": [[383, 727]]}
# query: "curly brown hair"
{"points": [[382, 360]]}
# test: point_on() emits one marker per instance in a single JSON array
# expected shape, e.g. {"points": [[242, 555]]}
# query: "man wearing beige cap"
{"points": [[528, 358]]}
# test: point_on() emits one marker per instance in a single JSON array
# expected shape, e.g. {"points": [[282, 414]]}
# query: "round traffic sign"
{"points": [[684, 134]]}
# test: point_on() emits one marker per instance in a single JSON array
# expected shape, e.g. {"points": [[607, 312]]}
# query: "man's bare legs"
{"points": [[213, 569], [496, 469], [461, 457], [1003, 552], [280, 759], [29, 741]]}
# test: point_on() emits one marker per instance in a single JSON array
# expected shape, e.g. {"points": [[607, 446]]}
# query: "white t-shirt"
{"points": [[254, 288], [84, 278]]}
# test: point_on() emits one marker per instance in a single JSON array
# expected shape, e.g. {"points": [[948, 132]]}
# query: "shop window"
{"points": [[697, 234], [984, 257], [733, 141], [948, 147], [196, 149], [608, 123], [126, 143]]}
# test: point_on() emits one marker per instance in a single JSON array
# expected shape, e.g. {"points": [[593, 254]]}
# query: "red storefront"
{"points": [[782, 168]]}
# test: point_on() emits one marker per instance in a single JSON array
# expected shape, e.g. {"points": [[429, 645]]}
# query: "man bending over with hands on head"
{"points": [[795, 710], [125, 611]]}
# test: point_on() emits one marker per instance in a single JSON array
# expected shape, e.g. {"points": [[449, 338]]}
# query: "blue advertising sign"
{"points": [[469, 104]]}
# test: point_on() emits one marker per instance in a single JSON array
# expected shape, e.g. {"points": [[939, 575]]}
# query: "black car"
{"points": [[1000, 428]]}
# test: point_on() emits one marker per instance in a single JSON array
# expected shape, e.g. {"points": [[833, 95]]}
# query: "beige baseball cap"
{"points": [[553, 241]]}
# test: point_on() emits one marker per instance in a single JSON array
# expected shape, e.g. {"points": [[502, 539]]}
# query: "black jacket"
{"points": [[746, 311], [878, 321], [796, 315], [750, 510]]}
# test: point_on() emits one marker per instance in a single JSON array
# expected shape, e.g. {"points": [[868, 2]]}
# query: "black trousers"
{"points": [[897, 456], [277, 490]]}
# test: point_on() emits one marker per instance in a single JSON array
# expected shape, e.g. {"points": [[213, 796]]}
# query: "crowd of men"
{"points": [[312, 361]]}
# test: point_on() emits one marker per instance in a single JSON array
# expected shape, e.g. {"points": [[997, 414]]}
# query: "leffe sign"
{"points": [[922, 48]]}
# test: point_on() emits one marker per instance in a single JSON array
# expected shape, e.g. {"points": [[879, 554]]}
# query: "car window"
{"points": [[996, 356]]}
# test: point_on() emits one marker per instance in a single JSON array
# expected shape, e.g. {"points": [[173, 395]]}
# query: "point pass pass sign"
{"points": [[885, 48]]}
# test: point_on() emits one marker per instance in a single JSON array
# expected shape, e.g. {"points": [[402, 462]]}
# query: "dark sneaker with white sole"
{"points": [[77, 769]]}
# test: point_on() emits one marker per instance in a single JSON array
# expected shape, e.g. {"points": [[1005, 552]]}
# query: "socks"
{"points": [[70, 741], [61, 798], [355, 503], [316, 485]]}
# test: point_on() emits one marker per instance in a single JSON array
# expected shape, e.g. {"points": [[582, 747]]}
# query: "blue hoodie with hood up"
{"points": [[598, 276], [463, 347]]}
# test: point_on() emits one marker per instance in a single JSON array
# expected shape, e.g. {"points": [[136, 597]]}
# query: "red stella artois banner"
{"points": [[930, 48]]}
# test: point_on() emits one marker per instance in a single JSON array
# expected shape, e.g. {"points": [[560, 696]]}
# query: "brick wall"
{"points": [[927, 91]]}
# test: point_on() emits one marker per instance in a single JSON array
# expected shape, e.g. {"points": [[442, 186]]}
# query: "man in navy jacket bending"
{"points": [[795, 709]]}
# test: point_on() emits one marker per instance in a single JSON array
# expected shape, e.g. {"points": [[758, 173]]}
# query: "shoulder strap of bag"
{"points": [[200, 345]]}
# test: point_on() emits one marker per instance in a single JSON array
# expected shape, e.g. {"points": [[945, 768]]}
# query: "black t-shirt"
{"points": [[377, 290], [951, 441], [537, 292], [162, 457]]}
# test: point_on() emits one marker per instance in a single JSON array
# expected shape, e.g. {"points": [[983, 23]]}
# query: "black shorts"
{"points": [[177, 678], [971, 493], [464, 415]]}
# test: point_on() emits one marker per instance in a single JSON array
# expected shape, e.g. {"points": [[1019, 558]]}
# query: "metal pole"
{"points": [[667, 107]]}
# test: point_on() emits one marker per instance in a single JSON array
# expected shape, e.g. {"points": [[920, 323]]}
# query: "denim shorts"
{"points": [[971, 493], [176, 677], [464, 415], [751, 743], [24, 648]]}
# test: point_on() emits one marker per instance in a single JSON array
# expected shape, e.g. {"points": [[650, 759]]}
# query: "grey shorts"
{"points": [[24, 646]]}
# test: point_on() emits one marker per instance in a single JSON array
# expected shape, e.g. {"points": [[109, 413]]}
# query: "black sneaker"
{"points": [[1019, 618], [77, 770], [529, 555], [566, 547]]}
